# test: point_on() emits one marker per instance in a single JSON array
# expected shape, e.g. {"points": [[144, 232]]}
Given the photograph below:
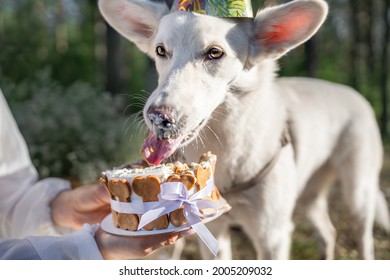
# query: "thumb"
{"points": [[93, 195], [102, 194]]}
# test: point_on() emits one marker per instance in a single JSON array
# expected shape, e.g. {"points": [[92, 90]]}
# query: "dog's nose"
{"points": [[161, 118]]}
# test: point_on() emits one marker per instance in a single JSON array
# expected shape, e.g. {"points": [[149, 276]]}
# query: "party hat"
{"points": [[217, 8]]}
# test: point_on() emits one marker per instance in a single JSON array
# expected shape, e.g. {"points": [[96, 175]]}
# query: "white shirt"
{"points": [[24, 201], [79, 245]]}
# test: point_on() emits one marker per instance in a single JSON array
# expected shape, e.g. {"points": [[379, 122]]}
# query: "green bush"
{"points": [[76, 131]]}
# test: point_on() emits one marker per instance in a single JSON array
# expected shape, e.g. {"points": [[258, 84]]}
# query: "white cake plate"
{"points": [[108, 226]]}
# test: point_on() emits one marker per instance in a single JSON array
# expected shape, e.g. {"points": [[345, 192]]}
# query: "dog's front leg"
{"points": [[265, 211]]}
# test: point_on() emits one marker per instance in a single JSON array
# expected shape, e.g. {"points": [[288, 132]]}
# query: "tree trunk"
{"points": [[311, 57], [113, 61], [355, 42], [370, 57], [61, 32], [169, 3], [385, 69]]}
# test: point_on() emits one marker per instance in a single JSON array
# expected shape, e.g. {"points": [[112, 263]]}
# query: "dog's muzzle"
{"points": [[164, 136], [163, 122]]}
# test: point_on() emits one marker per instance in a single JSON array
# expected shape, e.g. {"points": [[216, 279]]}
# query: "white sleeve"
{"points": [[14, 154], [17, 249], [24, 202], [79, 245]]}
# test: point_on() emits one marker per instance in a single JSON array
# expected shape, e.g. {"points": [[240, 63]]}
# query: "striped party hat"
{"points": [[217, 8]]}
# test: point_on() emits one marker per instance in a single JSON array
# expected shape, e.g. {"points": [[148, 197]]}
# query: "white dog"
{"points": [[217, 84]]}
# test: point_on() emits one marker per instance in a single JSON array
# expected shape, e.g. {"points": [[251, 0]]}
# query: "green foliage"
{"points": [[72, 127], [37, 34], [74, 131]]}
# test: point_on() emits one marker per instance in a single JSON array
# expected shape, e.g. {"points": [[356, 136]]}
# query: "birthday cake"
{"points": [[150, 198]]}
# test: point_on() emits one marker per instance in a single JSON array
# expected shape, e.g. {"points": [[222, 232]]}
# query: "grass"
{"points": [[304, 246]]}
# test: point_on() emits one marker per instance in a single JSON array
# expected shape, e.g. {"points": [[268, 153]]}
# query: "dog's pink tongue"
{"points": [[156, 150]]}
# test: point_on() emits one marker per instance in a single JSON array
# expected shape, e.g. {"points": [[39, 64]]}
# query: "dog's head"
{"points": [[199, 58]]}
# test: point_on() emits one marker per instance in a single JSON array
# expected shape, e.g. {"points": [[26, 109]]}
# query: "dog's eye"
{"points": [[161, 51], [215, 53]]}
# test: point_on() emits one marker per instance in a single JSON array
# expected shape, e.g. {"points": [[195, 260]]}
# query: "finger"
{"points": [[172, 240], [164, 240], [93, 195], [102, 194]]}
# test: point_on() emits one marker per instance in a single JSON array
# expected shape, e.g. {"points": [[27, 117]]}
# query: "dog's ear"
{"points": [[136, 20], [280, 29]]}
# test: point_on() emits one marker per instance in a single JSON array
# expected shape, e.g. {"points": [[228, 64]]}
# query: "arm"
{"points": [[79, 245], [45, 207], [24, 202], [17, 249], [88, 243]]}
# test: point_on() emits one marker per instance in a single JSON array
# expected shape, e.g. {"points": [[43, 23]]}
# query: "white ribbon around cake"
{"points": [[173, 196]]}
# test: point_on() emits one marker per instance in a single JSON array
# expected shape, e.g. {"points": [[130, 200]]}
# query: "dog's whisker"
{"points": [[140, 98], [137, 101], [145, 91], [127, 107], [126, 123], [138, 105], [130, 123], [215, 134], [141, 124], [137, 130], [201, 140], [218, 112], [195, 144]]}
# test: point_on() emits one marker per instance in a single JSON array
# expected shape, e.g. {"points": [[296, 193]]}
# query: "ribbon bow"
{"points": [[174, 195]]}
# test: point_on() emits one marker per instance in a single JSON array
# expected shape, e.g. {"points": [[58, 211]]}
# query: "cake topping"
{"points": [[161, 171]]}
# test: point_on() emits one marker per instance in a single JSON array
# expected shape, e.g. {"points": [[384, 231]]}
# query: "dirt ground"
{"points": [[304, 244]]}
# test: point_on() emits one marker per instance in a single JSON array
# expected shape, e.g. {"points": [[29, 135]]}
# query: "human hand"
{"points": [[86, 204], [113, 247]]}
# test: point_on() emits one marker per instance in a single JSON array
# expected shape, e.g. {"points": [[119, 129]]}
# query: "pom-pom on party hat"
{"points": [[217, 8]]}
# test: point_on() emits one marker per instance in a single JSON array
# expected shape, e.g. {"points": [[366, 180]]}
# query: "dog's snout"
{"points": [[163, 120], [161, 117]]}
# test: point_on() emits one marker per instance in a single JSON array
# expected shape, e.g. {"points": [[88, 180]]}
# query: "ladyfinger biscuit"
{"points": [[177, 217], [202, 175], [120, 188], [104, 181], [127, 221], [148, 189]]}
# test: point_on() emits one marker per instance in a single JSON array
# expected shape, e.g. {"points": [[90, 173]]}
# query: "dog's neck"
{"points": [[252, 118]]}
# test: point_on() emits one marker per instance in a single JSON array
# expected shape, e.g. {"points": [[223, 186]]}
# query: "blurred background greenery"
{"points": [[73, 84], [76, 87]]}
